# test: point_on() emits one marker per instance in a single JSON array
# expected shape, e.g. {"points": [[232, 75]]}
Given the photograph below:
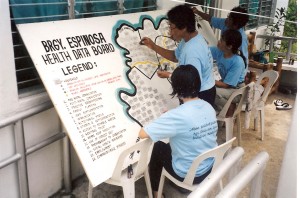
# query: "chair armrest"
{"points": [[261, 66]]}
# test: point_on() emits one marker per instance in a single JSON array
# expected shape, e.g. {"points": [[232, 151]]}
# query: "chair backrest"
{"points": [[143, 148], [272, 76], [217, 153], [241, 92]]}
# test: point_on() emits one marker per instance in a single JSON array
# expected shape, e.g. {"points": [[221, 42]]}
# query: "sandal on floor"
{"points": [[284, 106], [278, 102]]}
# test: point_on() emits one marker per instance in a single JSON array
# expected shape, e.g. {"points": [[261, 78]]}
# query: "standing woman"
{"points": [[192, 49], [236, 20], [231, 66]]}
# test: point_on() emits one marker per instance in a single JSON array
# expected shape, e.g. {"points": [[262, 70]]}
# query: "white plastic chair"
{"points": [[259, 106], [230, 166], [229, 121], [218, 155], [140, 169]]}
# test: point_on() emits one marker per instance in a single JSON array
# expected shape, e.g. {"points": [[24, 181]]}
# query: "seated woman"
{"points": [[191, 129], [231, 66]]}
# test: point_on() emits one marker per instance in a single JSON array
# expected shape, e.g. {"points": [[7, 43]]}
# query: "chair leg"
{"points": [[229, 129], [90, 191], [161, 184], [148, 183], [262, 123], [220, 185], [255, 120], [128, 188], [238, 119]]}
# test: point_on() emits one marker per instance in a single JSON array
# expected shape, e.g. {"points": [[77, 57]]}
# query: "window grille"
{"points": [[258, 7], [204, 3], [31, 11]]}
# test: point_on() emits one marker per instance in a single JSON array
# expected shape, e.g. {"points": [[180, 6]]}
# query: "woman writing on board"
{"points": [[192, 49]]}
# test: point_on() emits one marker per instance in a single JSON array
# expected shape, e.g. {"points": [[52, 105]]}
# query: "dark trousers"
{"points": [[161, 157], [208, 95]]}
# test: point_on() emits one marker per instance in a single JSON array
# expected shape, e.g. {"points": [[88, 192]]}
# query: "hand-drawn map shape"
{"points": [[146, 103], [141, 57]]}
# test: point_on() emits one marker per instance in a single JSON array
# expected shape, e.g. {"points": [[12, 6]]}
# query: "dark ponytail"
{"points": [[243, 57], [234, 38]]}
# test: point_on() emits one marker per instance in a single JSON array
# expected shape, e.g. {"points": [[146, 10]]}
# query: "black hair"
{"points": [[185, 81], [182, 16], [234, 38], [238, 19]]}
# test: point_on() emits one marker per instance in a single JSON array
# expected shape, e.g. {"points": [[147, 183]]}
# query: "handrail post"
{"points": [[71, 9], [22, 164], [271, 44], [121, 6], [288, 53], [66, 162]]}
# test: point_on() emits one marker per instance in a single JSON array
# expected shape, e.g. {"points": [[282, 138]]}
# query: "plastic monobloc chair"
{"points": [[217, 153], [139, 169], [229, 121], [259, 106]]}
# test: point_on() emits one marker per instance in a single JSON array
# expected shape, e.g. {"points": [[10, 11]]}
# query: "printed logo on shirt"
{"points": [[207, 129]]}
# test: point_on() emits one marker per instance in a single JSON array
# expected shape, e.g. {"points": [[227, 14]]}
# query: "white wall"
{"points": [[8, 89], [287, 186], [44, 166], [8, 175]]}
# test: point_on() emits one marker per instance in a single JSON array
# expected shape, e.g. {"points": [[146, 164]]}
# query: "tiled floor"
{"points": [[277, 125]]}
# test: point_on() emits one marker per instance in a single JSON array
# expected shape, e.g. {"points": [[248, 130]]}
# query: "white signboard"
{"points": [[102, 82]]}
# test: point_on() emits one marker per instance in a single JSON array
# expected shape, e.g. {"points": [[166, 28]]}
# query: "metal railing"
{"points": [[20, 157], [272, 39], [230, 165], [253, 173]]}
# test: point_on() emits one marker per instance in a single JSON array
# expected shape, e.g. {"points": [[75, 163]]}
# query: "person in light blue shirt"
{"points": [[192, 49], [236, 20], [196, 52], [191, 129], [231, 66]]}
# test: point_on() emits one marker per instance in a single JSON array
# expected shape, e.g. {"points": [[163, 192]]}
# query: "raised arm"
{"points": [[168, 54], [203, 15]]}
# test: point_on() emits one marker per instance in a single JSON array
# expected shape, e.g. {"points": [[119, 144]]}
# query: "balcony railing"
{"points": [[272, 39]]}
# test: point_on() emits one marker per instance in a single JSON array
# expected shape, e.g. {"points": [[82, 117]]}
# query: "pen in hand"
{"points": [[142, 42]]}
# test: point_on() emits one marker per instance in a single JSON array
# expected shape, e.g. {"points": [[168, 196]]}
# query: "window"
{"points": [[258, 7], [31, 11]]}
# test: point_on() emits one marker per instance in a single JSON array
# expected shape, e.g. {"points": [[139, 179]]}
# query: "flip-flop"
{"points": [[284, 106], [278, 102]]}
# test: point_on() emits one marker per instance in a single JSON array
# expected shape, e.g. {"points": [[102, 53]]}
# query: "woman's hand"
{"points": [[163, 74], [148, 42], [195, 10]]}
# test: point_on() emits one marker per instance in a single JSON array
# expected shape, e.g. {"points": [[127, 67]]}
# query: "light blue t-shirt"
{"points": [[219, 23], [196, 52], [231, 69], [191, 129]]}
